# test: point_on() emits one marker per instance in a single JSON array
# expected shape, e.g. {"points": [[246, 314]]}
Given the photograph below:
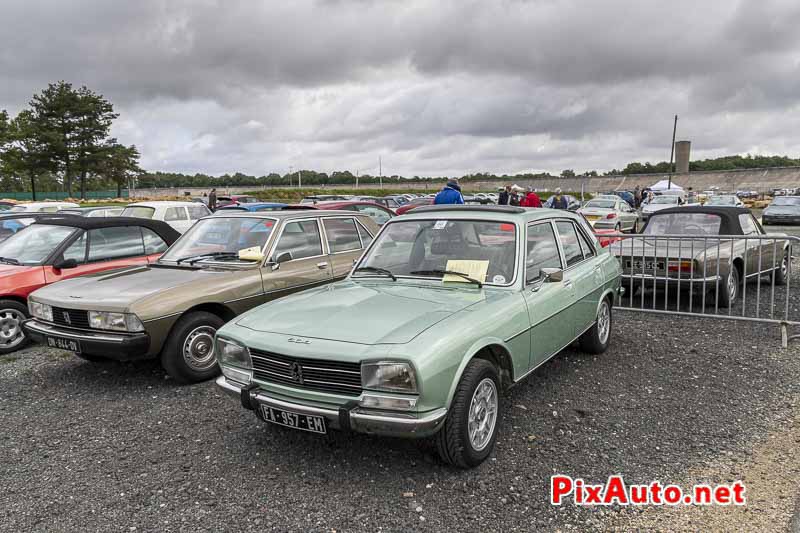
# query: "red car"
{"points": [[376, 212], [605, 240], [416, 202], [52, 249]]}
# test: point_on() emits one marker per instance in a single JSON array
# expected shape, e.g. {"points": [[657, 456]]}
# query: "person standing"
{"points": [[637, 197], [505, 196], [559, 201], [212, 199], [450, 194], [514, 198], [531, 199]]}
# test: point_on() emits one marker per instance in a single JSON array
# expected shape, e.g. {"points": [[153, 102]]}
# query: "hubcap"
{"points": [[482, 414], [603, 323], [785, 265], [11, 333], [198, 348], [731, 286]]}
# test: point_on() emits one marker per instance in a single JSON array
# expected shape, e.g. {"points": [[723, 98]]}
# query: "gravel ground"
{"points": [[119, 447]]}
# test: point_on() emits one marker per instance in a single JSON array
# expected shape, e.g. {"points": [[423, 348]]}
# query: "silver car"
{"points": [[610, 212]]}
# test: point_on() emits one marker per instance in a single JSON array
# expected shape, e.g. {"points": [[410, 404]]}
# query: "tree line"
{"points": [[62, 141]]}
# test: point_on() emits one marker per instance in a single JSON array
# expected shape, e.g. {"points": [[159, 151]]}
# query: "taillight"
{"points": [[611, 215], [679, 266]]}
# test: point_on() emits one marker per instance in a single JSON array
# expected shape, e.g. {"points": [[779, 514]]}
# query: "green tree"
{"points": [[24, 153], [568, 173], [118, 163]]}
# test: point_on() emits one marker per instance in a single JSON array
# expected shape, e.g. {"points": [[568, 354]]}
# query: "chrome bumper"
{"points": [[370, 421]]}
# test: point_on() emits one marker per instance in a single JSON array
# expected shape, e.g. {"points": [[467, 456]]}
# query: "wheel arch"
{"points": [[492, 349], [15, 298]]}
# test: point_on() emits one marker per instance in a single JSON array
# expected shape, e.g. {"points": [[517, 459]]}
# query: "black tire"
{"points": [[92, 358], [729, 289], [782, 271], [199, 325], [597, 338], [453, 441], [12, 337]]}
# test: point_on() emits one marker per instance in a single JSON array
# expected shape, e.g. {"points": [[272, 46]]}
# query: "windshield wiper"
{"points": [[443, 272], [194, 258], [377, 270], [9, 261]]}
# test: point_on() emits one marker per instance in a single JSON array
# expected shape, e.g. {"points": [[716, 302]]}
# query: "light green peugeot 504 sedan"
{"points": [[448, 306]]}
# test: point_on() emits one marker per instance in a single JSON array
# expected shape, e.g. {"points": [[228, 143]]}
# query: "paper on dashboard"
{"points": [[474, 269]]}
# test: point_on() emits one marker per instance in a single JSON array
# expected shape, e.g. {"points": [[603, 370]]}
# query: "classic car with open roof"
{"points": [[448, 305], [52, 248], [685, 248], [222, 266]]}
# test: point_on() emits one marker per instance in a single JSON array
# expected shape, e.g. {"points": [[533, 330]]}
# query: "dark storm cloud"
{"points": [[434, 87]]}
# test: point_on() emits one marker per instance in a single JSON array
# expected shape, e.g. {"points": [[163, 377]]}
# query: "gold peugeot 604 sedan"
{"points": [[221, 267]]}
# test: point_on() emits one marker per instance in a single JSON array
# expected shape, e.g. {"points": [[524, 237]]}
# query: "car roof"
{"points": [[164, 230], [286, 214], [489, 212], [159, 203]]}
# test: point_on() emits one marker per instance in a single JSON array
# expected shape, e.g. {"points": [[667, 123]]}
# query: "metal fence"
{"points": [[61, 195], [733, 277]]}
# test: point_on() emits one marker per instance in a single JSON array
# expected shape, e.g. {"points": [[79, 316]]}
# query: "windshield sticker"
{"points": [[498, 279], [474, 269], [251, 254], [506, 227], [440, 224]]}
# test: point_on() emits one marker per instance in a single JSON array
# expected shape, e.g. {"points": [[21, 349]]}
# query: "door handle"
{"points": [[323, 265], [567, 284]]}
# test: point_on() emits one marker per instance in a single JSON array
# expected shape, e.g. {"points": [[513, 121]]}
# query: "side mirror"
{"points": [[282, 258], [61, 264], [553, 275]]}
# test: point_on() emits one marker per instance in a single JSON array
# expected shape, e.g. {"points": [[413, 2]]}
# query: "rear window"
{"points": [[683, 224], [138, 211]]}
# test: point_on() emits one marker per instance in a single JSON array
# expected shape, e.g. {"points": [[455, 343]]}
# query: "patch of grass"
{"points": [[8, 359]]}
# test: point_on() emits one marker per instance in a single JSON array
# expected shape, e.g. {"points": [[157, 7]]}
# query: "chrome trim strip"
{"points": [[45, 329], [358, 373]]}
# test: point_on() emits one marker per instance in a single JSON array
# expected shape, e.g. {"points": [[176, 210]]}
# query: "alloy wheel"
{"points": [[482, 414], [11, 334], [603, 323]]}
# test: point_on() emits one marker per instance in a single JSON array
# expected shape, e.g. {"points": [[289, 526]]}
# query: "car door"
{"points": [[766, 249], [581, 271], [100, 249], [344, 244], [309, 264], [548, 302], [628, 218]]}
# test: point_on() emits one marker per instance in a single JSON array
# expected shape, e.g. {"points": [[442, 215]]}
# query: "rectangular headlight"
{"points": [[115, 321], [40, 310], [388, 376], [232, 353]]}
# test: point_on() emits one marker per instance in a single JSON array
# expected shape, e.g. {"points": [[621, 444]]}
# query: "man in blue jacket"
{"points": [[451, 194]]}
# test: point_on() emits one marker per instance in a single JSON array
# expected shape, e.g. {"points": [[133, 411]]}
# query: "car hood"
{"points": [[361, 312], [116, 290]]}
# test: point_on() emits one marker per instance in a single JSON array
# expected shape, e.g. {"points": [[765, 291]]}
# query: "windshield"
{"points": [[35, 244], [665, 200], [683, 224], [721, 200], [138, 211], [602, 204], [220, 236], [786, 201], [419, 248]]}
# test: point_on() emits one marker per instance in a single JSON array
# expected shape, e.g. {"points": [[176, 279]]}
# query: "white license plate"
{"points": [[638, 266], [64, 344], [314, 424]]}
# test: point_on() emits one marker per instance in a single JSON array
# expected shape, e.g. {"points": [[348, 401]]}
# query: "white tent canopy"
{"points": [[663, 185]]}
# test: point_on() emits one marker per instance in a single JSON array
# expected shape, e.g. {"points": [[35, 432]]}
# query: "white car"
{"points": [[42, 207], [658, 203], [179, 215], [729, 200]]}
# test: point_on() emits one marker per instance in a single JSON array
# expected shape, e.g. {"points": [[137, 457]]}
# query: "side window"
{"points": [[198, 211], [113, 243], [586, 246], [375, 213], [748, 226], [174, 213], [301, 239], [541, 251], [77, 250], [153, 244], [342, 234], [366, 238], [569, 242]]}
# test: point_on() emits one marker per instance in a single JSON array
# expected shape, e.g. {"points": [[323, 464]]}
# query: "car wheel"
{"points": [[729, 291], [782, 272], [188, 354], [12, 337], [468, 434], [597, 338]]}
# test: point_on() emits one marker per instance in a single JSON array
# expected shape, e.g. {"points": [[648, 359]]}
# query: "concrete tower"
{"points": [[682, 153]]}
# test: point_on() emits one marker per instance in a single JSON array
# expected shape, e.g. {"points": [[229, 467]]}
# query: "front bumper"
{"points": [[352, 418], [111, 345]]}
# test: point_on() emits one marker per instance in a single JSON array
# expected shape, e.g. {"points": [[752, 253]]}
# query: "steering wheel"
{"points": [[690, 228]]}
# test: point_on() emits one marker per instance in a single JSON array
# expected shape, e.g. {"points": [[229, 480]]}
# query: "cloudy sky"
{"points": [[433, 87]]}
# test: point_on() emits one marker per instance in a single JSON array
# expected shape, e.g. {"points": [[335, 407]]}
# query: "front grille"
{"points": [[313, 374], [77, 319]]}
